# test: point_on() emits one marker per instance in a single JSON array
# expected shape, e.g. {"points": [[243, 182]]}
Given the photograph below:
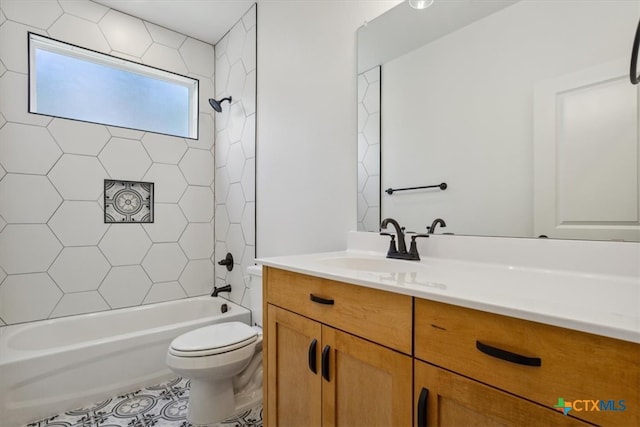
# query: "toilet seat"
{"points": [[214, 339]]}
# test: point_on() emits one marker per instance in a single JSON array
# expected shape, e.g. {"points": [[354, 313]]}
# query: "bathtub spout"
{"points": [[216, 290]]}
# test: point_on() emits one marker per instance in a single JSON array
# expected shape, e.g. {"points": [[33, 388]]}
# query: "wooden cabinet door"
{"points": [[453, 400], [294, 392], [364, 384]]}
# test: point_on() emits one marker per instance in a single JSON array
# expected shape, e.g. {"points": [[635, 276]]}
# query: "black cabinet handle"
{"points": [[422, 407], [508, 356], [633, 69], [325, 362], [320, 300], [313, 366]]}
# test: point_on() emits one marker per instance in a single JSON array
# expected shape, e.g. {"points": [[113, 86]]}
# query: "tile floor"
{"points": [[162, 405]]}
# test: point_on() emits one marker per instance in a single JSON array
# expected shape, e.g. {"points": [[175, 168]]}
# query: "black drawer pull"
{"points": [[320, 300], [325, 362], [313, 366], [422, 407], [633, 71], [508, 356]]}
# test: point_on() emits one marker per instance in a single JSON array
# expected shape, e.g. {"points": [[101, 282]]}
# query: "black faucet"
{"points": [[401, 252], [216, 290], [436, 222]]}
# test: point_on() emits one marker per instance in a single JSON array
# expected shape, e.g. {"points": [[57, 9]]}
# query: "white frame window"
{"points": [[80, 84]]}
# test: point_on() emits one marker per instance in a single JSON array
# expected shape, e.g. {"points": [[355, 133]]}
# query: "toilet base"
{"points": [[211, 402]]}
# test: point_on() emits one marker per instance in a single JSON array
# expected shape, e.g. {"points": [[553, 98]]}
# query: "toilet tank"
{"points": [[253, 298]]}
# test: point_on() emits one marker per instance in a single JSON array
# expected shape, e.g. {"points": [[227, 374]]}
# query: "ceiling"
{"points": [[206, 20]]}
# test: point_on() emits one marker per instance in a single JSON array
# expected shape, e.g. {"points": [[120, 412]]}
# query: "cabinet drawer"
{"points": [[379, 316], [574, 366]]}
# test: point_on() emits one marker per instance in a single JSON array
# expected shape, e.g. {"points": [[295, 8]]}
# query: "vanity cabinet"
{"points": [[537, 362], [447, 399], [342, 354], [329, 362]]}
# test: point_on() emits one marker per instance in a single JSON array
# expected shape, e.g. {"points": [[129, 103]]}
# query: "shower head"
{"points": [[217, 104]]}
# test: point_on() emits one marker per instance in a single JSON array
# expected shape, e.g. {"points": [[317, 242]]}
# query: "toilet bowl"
{"points": [[223, 364]]}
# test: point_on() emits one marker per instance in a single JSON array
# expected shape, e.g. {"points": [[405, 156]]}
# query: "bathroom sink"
{"points": [[375, 265]]}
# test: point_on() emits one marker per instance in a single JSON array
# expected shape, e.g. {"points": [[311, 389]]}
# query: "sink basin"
{"points": [[375, 265]]}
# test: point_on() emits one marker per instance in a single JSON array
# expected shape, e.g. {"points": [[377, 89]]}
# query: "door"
{"points": [[294, 390], [443, 399], [586, 155], [364, 384]]}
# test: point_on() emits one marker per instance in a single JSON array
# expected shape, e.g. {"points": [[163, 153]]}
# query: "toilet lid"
{"points": [[214, 339]]}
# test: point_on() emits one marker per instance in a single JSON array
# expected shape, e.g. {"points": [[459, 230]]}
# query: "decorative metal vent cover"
{"points": [[128, 201]]}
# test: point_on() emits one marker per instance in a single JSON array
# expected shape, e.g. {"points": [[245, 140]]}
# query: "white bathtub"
{"points": [[52, 366]]}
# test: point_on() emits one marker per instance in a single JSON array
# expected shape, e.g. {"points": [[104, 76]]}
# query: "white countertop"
{"points": [[602, 304]]}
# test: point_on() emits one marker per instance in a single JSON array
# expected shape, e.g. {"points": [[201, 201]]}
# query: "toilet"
{"points": [[224, 365]]}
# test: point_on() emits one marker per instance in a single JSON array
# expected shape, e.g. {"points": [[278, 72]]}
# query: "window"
{"points": [[80, 84]]}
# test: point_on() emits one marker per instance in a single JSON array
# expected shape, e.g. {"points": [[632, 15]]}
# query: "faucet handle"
{"points": [[413, 249], [392, 244]]}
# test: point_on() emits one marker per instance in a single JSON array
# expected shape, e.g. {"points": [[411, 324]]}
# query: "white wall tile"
{"points": [[222, 185], [198, 167], [22, 11], [77, 137], [26, 297], [18, 143], [13, 102], [169, 182], [14, 46], [79, 303], [237, 37], [248, 180], [125, 244], [164, 57], [235, 241], [197, 278], [222, 75], [125, 33], [237, 77], [221, 148], [249, 224], [249, 94], [27, 248], [221, 222], [125, 133], [198, 56], [125, 286], [125, 159], [27, 198], [164, 262], [164, 148], [197, 240], [78, 177], [206, 134], [78, 223], [80, 32], [235, 125], [235, 162], [84, 9], [164, 36], [117, 153], [169, 223], [197, 204], [73, 276], [235, 203], [164, 291]]}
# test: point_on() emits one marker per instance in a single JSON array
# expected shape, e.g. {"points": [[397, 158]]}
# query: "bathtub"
{"points": [[51, 366]]}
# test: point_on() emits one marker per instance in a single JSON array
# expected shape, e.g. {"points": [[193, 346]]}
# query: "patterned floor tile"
{"points": [[162, 405]]}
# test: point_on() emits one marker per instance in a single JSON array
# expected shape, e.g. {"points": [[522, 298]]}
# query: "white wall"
{"points": [[307, 123]]}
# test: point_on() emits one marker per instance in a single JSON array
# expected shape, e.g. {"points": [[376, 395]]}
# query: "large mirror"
{"points": [[523, 108]]}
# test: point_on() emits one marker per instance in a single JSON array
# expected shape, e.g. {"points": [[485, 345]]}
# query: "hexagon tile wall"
{"points": [[57, 256], [369, 150], [235, 154]]}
